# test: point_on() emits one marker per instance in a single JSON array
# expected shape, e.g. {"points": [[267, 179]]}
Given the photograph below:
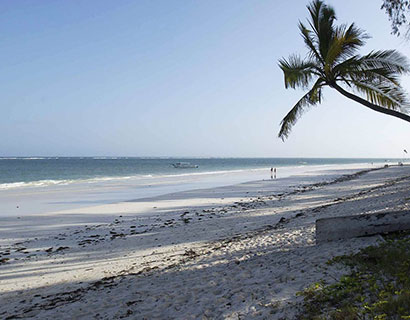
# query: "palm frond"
{"points": [[310, 42], [384, 94], [373, 76], [345, 66], [371, 68], [346, 41], [314, 9], [322, 18], [354, 38], [297, 72], [313, 97], [386, 59]]}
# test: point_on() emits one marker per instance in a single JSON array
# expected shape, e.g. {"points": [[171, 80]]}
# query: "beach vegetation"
{"points": [[397, 10], [333, 61], [376, 287]]}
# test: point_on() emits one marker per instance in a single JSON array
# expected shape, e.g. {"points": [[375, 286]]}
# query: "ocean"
{"points": [[44, 171], [48, 185]]}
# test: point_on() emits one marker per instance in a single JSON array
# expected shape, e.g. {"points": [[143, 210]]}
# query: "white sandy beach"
{"points": [[232, 252]]}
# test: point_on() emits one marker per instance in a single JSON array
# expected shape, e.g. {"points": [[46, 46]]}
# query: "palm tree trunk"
{"points": [[372, 106]]}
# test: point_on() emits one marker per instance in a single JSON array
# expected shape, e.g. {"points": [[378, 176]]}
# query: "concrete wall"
{"points": [[344, 227]]}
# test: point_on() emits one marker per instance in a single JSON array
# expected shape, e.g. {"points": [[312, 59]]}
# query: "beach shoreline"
{"points": [[62, 264], [34, 198]]}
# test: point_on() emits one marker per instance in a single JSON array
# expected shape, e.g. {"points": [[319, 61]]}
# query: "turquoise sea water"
{"points": [[50, 185], [39, 171]]}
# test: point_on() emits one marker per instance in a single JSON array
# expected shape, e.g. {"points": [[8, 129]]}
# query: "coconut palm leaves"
{"points": [[333, 59]]}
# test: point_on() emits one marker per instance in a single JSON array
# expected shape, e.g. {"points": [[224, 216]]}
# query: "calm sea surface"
{"points": [[23, 172], [51, 185]]}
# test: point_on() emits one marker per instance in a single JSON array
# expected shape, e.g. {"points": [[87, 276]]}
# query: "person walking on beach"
{"points": [[274, 171], [271, 173]]}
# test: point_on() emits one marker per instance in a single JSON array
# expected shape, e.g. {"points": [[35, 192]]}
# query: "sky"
{"points": [[176, 78]]}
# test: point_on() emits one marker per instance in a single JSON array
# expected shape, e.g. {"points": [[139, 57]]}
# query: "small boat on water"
{"points": [[184, 165]]}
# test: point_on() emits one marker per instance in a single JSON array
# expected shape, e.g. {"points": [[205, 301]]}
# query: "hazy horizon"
{"points": [[35, 157]]}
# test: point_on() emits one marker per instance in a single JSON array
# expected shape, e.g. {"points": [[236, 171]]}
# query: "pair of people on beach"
{"points": [[272, 172]]}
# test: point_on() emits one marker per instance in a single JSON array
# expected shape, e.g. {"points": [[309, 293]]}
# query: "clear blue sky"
{"points": [[175, 78]]}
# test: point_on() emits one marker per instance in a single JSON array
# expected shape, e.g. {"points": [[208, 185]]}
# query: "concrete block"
{"points": [[328, 229]]}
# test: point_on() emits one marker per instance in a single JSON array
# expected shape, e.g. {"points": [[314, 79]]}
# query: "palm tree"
{"points": [[333, 60]]}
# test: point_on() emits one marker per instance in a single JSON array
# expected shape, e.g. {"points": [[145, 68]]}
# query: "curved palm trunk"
{"points": [[372, 106]]}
